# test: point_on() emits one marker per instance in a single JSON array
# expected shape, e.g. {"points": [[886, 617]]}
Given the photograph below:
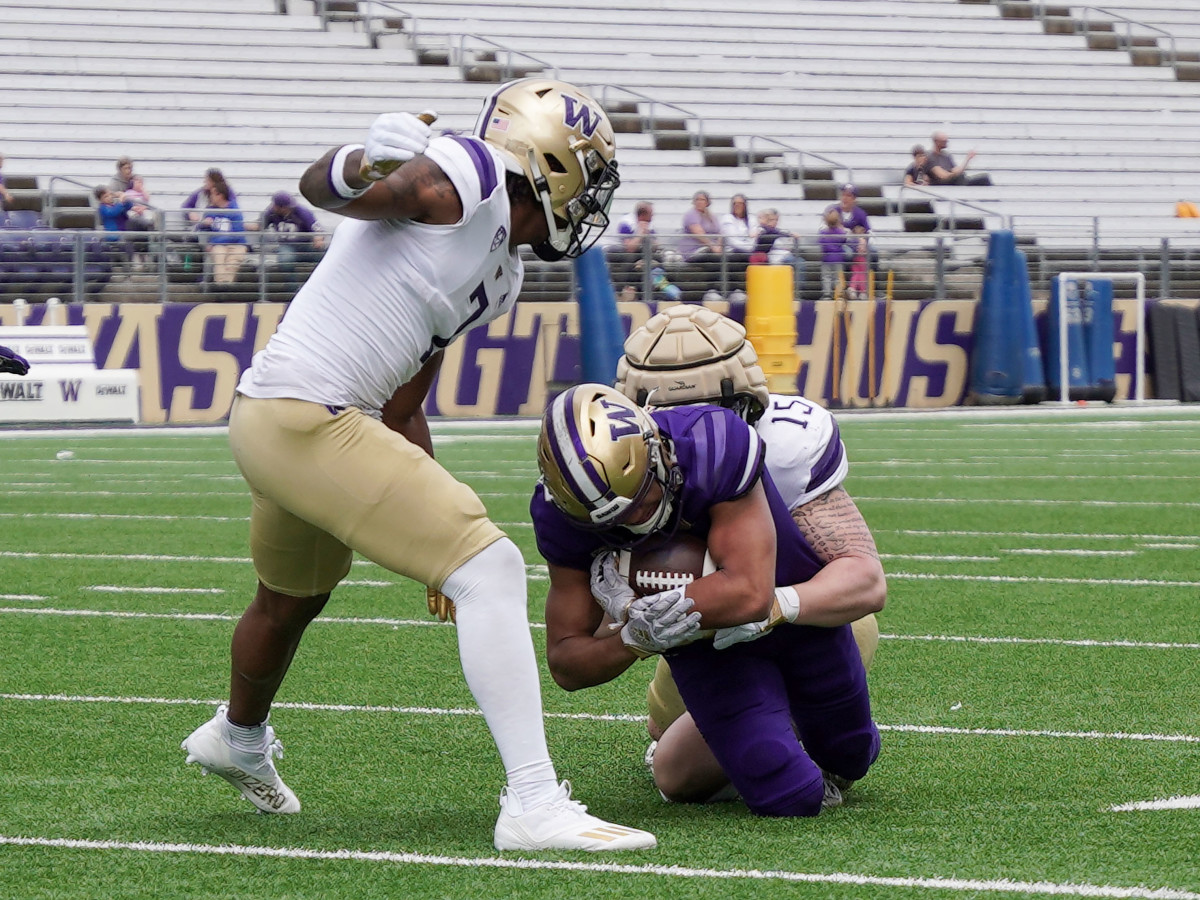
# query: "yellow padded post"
{"points": [[771, 324]]}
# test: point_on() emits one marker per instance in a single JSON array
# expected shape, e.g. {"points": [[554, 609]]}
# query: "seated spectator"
{"points": [[700, 245], [772, 246], [140, 218], [123, 180], [1186, 209], [942, 169], [202, 197], [5, 196], [851, 214], [739, 234], [112, 208], [226, 240], [636, 243], [298, 235], [917, 173], [854, 219], [699, 228], [836, 251]]}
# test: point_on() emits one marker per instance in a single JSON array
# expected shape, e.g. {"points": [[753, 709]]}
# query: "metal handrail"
{"points": [[696, 139], [1130, 24], [1040, 13], [507, 70], [746, 157], [389, 11], [1005, 218]]}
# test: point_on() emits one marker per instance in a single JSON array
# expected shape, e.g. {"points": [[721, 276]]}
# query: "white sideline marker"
{"points": [[1170, 803], [1003, 886]]}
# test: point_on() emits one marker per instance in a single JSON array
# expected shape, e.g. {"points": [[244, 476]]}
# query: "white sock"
{"points": [[248, 738], [497, 657]]}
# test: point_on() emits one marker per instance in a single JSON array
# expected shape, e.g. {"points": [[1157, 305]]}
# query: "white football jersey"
{"points": [[390, 293], [805, 455]]}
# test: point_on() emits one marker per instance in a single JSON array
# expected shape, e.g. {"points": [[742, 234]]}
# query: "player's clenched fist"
{"points": [[394, 138]]}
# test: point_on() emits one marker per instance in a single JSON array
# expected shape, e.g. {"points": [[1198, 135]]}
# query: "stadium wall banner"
{"points": [[910, 353]]}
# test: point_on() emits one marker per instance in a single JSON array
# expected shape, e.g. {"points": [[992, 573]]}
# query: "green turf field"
{"points": [[1039, 666]]}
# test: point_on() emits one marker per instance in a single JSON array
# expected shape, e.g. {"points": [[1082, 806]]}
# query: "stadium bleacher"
{"points": [[780, 101]]}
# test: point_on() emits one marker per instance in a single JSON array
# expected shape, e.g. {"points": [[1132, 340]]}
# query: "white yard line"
{"points": [[1068, 551], [1032, 501], [1060, 535], [426, 623], [1036, 579], [392, 858], [603, 717], [126, 589], [157, 518], [1168, 803]]}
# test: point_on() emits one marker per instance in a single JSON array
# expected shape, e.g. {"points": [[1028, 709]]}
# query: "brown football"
{"points": [[675, 564]]}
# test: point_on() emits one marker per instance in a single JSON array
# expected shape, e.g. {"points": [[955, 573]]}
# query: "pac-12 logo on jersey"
{"points": [[582, 116], [501, 235]]}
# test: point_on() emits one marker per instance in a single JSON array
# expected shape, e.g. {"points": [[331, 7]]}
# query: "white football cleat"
{"points": [[252, 773], [562, 824], [835, 788]]}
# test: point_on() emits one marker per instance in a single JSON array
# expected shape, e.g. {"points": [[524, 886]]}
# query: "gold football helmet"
{"points": [[599, 455], [560, 139], [690, 354]]}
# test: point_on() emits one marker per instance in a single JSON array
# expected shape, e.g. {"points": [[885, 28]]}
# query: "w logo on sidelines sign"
{"points": [[580, 115]]}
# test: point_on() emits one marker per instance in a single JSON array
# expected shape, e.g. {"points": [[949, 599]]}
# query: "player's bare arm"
{"points": [[852, 583], [404, 413], [418, 190], [742, 544], [576, 656]]}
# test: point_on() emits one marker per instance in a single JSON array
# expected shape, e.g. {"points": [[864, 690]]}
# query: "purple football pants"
{"points": [[778, 710]]}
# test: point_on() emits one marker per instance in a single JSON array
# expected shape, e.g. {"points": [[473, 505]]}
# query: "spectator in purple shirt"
{"points": [[854, 218], [700, 245], [295, 234]]}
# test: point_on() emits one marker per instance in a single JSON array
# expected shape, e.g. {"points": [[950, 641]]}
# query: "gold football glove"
{"points": [[440, 605]]}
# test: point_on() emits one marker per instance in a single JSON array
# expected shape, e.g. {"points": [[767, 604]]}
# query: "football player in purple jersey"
{"points": [[687, 355], [782, 706]]}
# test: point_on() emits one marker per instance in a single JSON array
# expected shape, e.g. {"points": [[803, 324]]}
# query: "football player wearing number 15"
{"points": [[328, 430], [782, 706], [687, 355]]}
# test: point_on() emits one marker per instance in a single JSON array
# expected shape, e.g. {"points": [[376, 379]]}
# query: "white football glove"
{"points": [[784, 608], [660, 622], [394, 139], [609, 588]]}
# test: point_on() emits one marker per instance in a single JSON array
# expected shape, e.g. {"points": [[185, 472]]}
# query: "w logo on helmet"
{"points": [[580, 115], [622, 421]]}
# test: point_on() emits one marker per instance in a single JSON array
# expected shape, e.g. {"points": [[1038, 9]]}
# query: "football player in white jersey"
{"points": [[690, 354], [329, 433]]}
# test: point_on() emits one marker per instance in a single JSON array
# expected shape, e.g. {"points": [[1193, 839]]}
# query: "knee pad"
{"points": [[775, 778], [852, 755]]}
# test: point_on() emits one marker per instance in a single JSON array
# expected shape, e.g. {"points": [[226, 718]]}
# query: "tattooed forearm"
{"points": [[834, 527]]}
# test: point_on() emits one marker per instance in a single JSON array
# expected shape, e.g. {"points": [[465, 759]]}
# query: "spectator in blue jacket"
{"points": [[226, 240]]}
